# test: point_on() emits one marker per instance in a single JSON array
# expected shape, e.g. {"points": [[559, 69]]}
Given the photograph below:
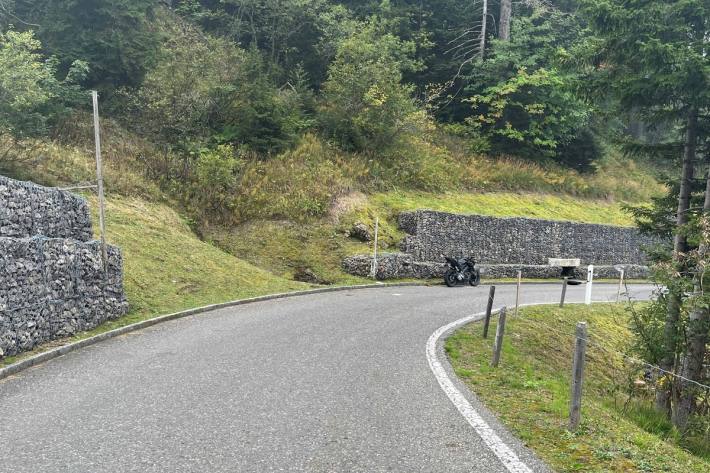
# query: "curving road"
{"points": [[334, 382]]}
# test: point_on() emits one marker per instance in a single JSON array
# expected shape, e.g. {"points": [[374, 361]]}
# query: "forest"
{"points": [[246, 112]]}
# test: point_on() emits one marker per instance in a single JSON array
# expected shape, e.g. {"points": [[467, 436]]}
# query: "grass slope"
{"points": [[506, 204], [284, 247], [530, 393], [168, 269]]}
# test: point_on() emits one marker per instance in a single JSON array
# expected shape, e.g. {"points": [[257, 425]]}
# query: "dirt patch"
{"points": [[345, 204]]}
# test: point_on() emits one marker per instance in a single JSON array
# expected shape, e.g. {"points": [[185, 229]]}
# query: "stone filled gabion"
{"points": [[494, 240], [502, 246], [52, 287], [403, 266], [28, 210]]}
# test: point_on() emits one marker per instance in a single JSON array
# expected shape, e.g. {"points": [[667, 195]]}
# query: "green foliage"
{"points": [[530, 114], [659, 66], [297, 185], [365, 105], [290, 33], [214, 181], [114, 37], [205, 90], [30, 94], [523, 102]]}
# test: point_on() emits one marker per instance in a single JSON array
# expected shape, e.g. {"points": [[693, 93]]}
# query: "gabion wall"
{"points": [[51, 287], [519, 240], [503, 246], [28, 210]]}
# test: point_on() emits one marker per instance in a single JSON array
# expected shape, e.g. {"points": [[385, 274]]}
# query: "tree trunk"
{"points": [[670, 331], [506, 10], [482, 39], [698, 329]]}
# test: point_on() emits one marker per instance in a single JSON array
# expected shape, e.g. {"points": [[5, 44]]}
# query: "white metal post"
{"points": [[590, 282], [373, 271], [100, 180]]}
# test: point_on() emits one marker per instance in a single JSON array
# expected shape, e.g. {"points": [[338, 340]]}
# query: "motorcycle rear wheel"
{"points": [[475, 278], [450, 278]]}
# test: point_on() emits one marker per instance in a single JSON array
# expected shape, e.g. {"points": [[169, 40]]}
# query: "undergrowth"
{"points": [[530, 392]]}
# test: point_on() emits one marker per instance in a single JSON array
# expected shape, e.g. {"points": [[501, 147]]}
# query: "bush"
{"points": [[365, 104], [297, 185], [214, 182], [30, 94], [206, 91]]}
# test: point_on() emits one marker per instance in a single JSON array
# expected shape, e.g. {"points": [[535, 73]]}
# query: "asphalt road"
{"points": [[334, 382]]}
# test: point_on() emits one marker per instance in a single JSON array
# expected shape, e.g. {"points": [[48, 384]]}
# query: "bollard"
{"points": [[491, 296], [590, 282], [580, 348], [621, 285], [564, 291], [499, 338], [517, 292]]}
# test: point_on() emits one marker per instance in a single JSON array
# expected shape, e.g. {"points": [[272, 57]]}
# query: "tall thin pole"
{"points": [[564, 291], [100, 180], [482, 45], [374, 257], [500, 331], [489, 310]]}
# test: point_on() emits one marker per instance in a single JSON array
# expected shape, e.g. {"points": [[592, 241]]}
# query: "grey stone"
{"points": [[52, 280], [502, 246], [27, 210], [361, 232]]}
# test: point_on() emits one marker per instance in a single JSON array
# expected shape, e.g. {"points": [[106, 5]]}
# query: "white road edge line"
{"points": [[504, 453]]}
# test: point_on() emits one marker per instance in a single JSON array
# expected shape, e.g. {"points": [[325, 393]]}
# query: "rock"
{"points": [[361, 232], [505, 245], [303, 274], [52, 281]]}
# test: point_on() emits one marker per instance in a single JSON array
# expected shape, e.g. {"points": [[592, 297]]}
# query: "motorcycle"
{"points": [[462, 270]]}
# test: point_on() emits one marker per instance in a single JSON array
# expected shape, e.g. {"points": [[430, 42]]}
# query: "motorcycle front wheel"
{"points": [[475, 278], [450, 278]]}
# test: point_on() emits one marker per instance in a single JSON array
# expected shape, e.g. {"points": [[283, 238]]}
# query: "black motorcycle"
{"points": [[460, 271]]}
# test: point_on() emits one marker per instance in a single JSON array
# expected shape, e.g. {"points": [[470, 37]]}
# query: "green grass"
{"points": [[530, 394], [282, 247], [551, 207], [168, 269]]}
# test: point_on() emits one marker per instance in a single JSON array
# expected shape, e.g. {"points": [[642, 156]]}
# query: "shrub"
{"points": [[297, 185], [365, 105], [30, 94]]}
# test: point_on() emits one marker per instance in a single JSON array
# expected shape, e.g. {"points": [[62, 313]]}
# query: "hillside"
{"points": [[530, 393], [292, 221]]}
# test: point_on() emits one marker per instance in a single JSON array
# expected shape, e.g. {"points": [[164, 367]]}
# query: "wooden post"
{"points": [[564, 291], [374, 258], [489, 308], [580, 349], [517, 292], [499, 338], [590, 282], [621, 285], [100, 180]]}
